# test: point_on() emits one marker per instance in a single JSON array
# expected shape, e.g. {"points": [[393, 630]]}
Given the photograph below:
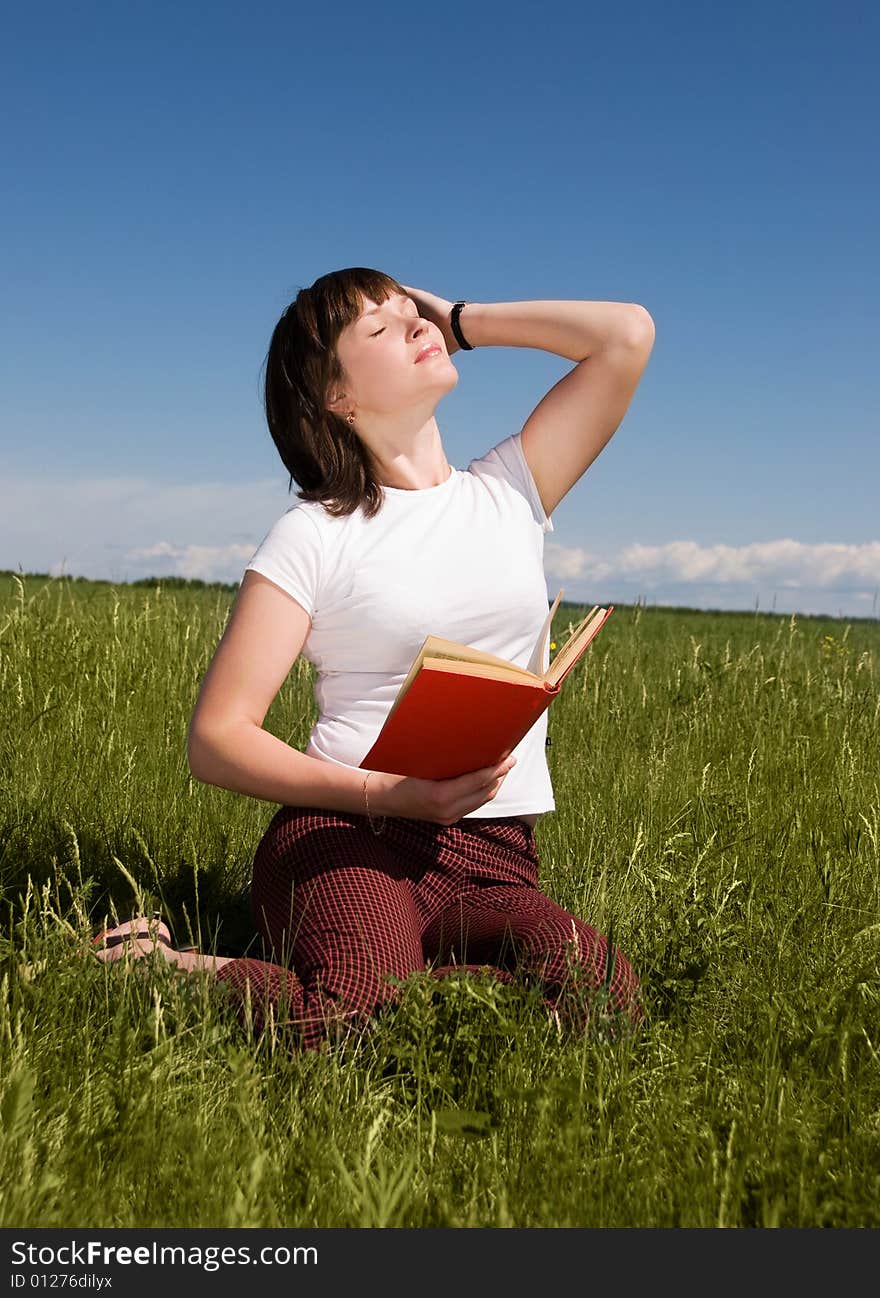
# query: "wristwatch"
{"points": [[456, 328]]}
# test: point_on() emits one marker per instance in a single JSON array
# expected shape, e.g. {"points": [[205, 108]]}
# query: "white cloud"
{"points": [[207, 562], [788, 563], [782, 575], [121, 528], [565, 562]]}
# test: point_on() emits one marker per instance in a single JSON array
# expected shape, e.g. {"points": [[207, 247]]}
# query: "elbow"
{"points": [[641, 329], [195, 756], [210, 749]]}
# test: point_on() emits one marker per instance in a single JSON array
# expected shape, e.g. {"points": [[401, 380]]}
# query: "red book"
{"points": [[460, 709]]}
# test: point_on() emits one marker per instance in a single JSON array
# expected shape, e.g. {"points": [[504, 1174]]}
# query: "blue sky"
{"points": [[175, 173]]}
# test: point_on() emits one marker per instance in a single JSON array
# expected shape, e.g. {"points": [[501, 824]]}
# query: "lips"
{"points": [[430, 350]]}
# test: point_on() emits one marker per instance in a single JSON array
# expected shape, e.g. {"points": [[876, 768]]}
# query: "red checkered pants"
{"points": [[343, 908]]}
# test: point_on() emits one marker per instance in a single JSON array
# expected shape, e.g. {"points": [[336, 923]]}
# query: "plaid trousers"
{"points": [[343, 908]]}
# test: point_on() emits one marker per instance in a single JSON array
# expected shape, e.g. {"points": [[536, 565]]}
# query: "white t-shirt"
{"points": [[462, 560]]}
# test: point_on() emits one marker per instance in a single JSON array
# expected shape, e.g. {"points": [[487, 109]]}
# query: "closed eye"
{"points": [[409, 302]]}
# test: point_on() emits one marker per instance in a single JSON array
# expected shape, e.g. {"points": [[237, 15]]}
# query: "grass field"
{"points": [[718, 804]]}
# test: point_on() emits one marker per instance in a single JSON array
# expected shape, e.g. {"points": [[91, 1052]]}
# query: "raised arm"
{"points": [[611, 343]]}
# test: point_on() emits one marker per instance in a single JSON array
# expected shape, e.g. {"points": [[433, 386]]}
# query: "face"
{"points": [[378, 353]]}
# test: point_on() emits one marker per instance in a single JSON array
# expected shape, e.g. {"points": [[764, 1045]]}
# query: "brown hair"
{"points": [[319, 449]]}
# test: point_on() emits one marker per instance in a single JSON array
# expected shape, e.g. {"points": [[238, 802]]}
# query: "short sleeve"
{"points": [[290, 555], [506, 461]]}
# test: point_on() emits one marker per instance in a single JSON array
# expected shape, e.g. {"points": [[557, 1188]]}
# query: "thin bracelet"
{"points": [[367, 801]]}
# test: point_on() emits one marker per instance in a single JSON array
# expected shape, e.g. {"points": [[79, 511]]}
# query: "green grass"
{"points": [[716, 779]]}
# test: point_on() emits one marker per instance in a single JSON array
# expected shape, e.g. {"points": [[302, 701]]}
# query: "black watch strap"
{"points": [[456, 328]]}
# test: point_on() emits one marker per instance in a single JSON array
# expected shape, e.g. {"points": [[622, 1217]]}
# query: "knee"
{"points": [[573, 952], [592, 964], [355, 984], [563, 947]]}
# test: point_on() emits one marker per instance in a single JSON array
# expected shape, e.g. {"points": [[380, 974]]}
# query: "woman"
{"points": [[363, 877]]}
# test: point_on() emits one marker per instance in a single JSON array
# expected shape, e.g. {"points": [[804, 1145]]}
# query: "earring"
{"points": [[350, 417]]}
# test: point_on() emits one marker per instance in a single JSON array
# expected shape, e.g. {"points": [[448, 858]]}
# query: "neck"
{"points": [[407, 462]]}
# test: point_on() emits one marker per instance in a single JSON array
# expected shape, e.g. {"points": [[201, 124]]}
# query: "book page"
{"points": [[577, 642], [536, 662], [485, 671], [434, 646]]}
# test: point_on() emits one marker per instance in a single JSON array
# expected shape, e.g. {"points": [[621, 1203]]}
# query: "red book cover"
{"points": [[452, 723], [461, 710]]}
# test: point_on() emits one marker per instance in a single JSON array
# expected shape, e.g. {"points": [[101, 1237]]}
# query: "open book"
{"points": [[460, 709]]}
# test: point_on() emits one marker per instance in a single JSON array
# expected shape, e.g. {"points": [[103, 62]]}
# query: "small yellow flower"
{"points": [[552, 644]]}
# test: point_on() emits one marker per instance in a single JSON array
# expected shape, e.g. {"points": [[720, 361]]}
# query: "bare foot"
{"points": [[135, 937], [141, 937]]}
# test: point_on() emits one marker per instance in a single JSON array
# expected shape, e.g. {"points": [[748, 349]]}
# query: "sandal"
{"points": [[138, 927]]}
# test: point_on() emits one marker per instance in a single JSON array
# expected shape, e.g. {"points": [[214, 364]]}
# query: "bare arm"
{"points": [[227, 745], [611, 343]]}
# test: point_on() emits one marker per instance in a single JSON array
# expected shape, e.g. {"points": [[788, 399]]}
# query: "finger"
{"points": [[488, 776], [501, 770], [471, 783], [483, 792], [475, 794], [486, 794]]}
